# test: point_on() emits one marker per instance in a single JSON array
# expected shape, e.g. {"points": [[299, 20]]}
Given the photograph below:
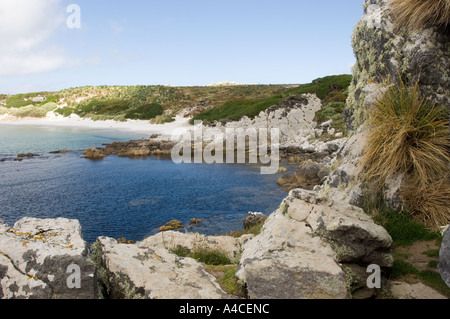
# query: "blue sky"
{"points": [[196, 42]]}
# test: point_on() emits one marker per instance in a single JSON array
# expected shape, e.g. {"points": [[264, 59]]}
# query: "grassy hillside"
{"points": [[161, 103]]}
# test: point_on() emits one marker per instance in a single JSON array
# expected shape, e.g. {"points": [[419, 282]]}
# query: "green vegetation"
{"points": [[211, 257], [405, 270], [253, 230], [203, 255], [208, 103], [22, 100], [30, 110], [145, 112], [332, 111], [401, 226], [162, 119], [218, 264], [236, 109], [406, 232], [332, 90], [98, 107], [65, 111], [226, 278], [329, 89]]}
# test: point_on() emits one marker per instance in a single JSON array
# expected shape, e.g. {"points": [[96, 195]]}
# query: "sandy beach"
{"points": [[179, 126]]}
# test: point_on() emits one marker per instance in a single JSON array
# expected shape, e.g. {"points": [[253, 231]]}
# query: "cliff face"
{"points": [[383, 50]]}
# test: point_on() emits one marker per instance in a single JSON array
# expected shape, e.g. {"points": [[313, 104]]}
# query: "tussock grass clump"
{"points": [[421, 14], [409, 135], [430, 204]]}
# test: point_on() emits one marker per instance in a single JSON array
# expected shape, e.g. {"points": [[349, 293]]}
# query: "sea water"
{"points": [[122, 197]]}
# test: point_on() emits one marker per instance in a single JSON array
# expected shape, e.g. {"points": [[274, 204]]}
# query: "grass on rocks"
{"points": [[218, 264], [409, 239]]}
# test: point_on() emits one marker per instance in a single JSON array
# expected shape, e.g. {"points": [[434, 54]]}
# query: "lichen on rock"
{"points": [[385, 51]]}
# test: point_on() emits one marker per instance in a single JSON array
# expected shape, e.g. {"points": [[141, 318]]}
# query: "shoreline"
{"points": [[180, 125]]}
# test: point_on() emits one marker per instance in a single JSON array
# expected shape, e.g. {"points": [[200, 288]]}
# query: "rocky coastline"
{"points": [[318, 244]]}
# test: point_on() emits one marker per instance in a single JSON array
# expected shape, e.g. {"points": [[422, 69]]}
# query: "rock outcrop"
{"points": [[383, 50], [132, 149], [293, 117], [45, 259], [444, 258], [313, 247], [148, 269]]}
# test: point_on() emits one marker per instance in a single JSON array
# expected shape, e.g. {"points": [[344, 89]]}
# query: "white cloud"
{"points": [[25, 27]]}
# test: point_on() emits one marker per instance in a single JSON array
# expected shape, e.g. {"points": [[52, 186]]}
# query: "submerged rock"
{"points": [[23, 155], [172, 225], [132, 149]]}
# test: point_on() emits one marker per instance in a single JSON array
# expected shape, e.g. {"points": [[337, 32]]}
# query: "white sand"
{"points": [[74, 121]]}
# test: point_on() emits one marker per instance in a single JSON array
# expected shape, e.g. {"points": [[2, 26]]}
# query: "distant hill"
{"points": [[161, 103]]}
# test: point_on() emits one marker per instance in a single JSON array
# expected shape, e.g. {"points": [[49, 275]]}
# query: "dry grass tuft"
{"points": [[429, 205], [421, 14], [409, 135]]}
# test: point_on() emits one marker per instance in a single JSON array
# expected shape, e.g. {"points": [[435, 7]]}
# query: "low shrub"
{"points": [[65, 111], [145, 112], [403, 229], [162, 119], [213, 257], [237, 108], [99, 107], [33, 111]]}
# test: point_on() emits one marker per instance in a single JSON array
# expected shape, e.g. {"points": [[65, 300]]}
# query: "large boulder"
{"points": [[45, 259], [444, 258], [309, 247], [384, 50]]}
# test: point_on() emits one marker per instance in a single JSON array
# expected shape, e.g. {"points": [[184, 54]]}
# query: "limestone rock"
{"points": [[444, 258], [254, 219], [170, 240], [307, 175], [402, 290], [286, 262], [304, 245], [147, 270], [45, 259], [383, 50], [294, 117]]}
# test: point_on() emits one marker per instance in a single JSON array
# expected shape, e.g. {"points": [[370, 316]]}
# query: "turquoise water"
{"points": [[29, 139], [121, 197]]}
